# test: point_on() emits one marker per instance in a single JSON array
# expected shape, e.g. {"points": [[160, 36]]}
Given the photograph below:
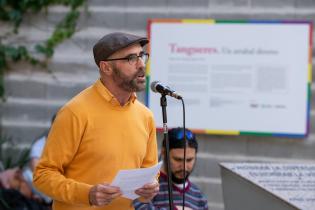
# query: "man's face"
{"points": [[177, 163], [129, 77]]}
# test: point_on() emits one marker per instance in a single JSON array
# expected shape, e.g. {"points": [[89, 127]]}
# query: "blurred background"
{"points": [[33, 93]]}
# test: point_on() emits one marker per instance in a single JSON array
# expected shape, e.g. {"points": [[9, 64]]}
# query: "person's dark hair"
{"points": [[176, 139], [53, 118]]}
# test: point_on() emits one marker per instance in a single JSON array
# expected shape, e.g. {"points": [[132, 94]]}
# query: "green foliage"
{"points": [[64, 30], [11, 156], [13, 11], [14, 54]]}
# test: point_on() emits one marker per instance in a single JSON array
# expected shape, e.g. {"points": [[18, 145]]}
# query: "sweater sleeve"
{"points": [[151, 157], [62, 144]]}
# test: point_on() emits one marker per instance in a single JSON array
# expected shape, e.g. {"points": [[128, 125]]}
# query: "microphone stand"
{"points": [[163, 103]]}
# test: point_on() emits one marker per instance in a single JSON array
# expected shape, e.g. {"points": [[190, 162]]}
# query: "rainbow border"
{"points": [[214, 21]]}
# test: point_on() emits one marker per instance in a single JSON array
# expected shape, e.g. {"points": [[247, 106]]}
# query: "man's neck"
{"points": [[163, 169], [121, 95], [178, 187]]}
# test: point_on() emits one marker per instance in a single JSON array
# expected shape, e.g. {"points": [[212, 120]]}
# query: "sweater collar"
{"points": [[109, 97]]}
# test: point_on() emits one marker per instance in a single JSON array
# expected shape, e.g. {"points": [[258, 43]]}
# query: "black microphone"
{"points": [[157, 87]]}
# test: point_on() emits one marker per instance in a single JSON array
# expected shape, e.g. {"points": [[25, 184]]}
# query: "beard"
{"points": [[177, 180], [129, 83]]}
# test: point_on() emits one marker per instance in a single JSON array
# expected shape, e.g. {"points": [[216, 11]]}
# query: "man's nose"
{"points": [[140, 62], [186, 166]]}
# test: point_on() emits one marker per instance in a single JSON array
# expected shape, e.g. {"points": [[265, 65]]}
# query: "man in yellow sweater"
{"points": [[100, 131]]}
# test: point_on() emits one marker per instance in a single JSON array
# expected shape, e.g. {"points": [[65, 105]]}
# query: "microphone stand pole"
{"points": [[163, 103]]}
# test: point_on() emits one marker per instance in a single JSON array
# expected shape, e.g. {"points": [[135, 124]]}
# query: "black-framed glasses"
{"points": [[133, 58], [180, 135]]}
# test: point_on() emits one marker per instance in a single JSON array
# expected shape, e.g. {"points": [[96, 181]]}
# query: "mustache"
{"points": [[187, 173], [140, 71]]}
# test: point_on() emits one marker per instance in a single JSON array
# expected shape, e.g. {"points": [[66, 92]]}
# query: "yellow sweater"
{"points": [[92, 138]]}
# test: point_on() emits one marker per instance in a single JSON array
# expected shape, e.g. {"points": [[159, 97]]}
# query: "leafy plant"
{"points": [[11, 155], [13, 12]]}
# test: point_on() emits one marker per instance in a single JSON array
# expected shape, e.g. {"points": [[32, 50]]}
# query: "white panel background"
{"points": [[249, 109]]}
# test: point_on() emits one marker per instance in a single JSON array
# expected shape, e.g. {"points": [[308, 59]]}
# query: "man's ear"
{"points": [[105, 67]]}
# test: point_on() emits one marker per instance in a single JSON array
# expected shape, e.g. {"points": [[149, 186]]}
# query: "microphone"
{"points": [[157, 87]]}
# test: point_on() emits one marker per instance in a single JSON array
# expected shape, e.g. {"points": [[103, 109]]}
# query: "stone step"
{"points": [[47, 92], [210, 187], [58, 86], [47, 85], [50, 85], [83, 40], [73, 56], [32, 109], [24, 132], [29, 117], [76, 54], [135, 17], [151, 3], [26, 109], [208, 163], [248, 4], [275, 147], [215, 206], [65, 81]]}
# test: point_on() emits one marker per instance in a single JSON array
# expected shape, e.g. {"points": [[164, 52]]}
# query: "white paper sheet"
{"points": [[130, 180]]}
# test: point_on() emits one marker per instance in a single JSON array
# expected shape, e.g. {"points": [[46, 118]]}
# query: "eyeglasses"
{"points": [[180, 135], [133, 58]]}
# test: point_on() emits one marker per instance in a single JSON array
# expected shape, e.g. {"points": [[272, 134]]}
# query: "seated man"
{"points": [[35, 153], [38, 146], [10, 178], [15, 193], [194, 199]]}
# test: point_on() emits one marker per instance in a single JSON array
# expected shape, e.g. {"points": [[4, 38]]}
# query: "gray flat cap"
{"points": [[113, 42]]}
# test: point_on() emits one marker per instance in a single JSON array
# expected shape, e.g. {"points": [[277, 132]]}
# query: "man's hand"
{"points": [[10, 178], [103, 194], [148, 191]]}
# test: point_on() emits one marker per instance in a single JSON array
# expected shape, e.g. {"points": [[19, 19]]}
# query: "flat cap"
{"points": [[113, 42]]}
